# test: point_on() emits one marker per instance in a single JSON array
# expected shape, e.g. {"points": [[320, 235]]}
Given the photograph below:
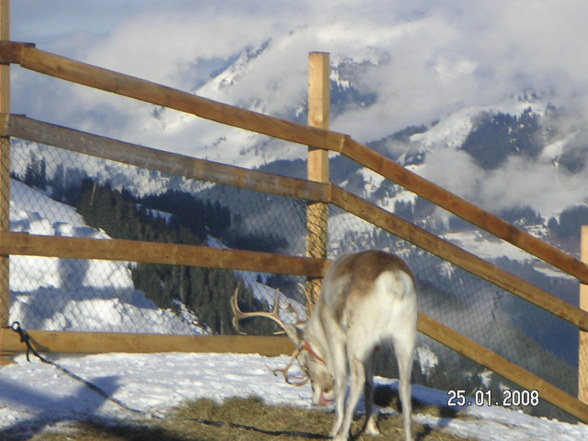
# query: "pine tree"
{"points": [[205, 291]]}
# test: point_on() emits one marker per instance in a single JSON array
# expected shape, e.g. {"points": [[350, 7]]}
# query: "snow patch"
{"points": [[76, 295], [427, 359]]}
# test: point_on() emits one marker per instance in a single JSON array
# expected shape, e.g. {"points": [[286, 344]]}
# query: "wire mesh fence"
{"points": [[60, 193], [57, 192]]}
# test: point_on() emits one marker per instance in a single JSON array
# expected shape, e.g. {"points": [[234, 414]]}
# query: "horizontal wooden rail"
{"points": [[456, 255], [101, 342], [29, 57], [40, 61], [23, 244], [502, 366], [150, 252], [145, 157], [464, 209]]}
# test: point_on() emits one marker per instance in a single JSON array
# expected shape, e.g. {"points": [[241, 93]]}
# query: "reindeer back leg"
{"points": [[404, 349], [370, 422]]}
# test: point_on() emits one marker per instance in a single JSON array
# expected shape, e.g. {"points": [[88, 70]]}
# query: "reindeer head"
{"points": [[321, 380], [311, 363]]}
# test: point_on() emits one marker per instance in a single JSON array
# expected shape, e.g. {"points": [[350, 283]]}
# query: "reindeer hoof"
{"points": [[372, 428]]}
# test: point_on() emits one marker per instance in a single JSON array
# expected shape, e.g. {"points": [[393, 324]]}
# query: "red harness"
{"points": [[308, 348]]}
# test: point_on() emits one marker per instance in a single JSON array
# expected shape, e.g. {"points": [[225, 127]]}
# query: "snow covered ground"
{"points": [[34, 395]]}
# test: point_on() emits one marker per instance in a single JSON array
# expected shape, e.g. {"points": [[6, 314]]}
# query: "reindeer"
{"points": [[366, 298]]}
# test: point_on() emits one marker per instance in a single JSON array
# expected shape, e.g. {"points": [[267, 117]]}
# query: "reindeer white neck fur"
{"points": [[366, 298]]}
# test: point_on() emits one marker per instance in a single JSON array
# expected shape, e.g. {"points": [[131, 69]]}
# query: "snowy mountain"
{"points": [[519, 157], [95, 295], [517, 151], [71, 295]]}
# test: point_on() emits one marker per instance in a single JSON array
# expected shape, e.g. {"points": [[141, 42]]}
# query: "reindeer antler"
{"points": [[287, 377], [239, 315], [305, 293], [273, 315]]}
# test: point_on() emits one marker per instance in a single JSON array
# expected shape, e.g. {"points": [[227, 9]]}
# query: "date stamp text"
{"points": [[507, 398]]}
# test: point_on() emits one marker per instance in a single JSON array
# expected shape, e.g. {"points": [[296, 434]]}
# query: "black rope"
{"points": [[26, 339]]}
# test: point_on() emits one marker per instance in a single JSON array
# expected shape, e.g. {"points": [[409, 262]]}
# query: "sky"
{"points": [[424, 60]]}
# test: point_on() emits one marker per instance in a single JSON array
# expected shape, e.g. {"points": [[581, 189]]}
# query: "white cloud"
{"points": [[518, 183], [435, 56], [521, 183], [455, 170]]}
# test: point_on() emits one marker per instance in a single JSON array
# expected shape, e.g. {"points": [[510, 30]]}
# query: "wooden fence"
{"points": [[315, 191]]}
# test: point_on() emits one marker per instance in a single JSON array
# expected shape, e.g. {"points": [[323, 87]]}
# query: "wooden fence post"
{"points": [[318, 164], [583, 341], [4, 181]]}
